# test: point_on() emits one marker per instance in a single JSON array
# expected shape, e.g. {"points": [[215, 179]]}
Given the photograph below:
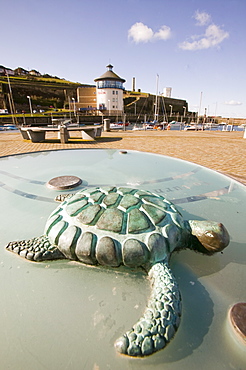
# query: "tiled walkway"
{"points": [[220, 151]]}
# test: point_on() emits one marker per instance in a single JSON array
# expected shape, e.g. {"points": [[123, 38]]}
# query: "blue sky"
{"points": [[195, 46]]}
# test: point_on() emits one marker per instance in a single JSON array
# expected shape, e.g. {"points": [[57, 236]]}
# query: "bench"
{"points": [[37, 134]]}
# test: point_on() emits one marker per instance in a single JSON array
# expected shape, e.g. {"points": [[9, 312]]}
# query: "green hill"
{"points": [[44, 92]]}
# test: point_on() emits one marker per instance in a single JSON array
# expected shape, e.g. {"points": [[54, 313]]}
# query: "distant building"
{"points": [[86, 99], [167, 93], [18, 71], [109, 91], [33, 72], [5, 71], [21, 71]]}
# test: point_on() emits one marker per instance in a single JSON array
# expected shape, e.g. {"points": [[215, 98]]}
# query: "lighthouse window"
{"points": [[110, 84], [113, 92], [116, 92]]}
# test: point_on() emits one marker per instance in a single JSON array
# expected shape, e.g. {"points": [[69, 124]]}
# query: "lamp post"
{"points": [[30, 104], [69, 107], [74, 109], [109, 107], [204, 119], [171, 111], [183, 117], [197, 122]]}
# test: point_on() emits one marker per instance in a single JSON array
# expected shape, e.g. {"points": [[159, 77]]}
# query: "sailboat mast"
{"points": [[156, 99], [11, 102]]}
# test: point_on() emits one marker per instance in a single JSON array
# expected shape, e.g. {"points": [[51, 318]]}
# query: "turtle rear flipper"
{"points": [[36, 249], [161, 317]]}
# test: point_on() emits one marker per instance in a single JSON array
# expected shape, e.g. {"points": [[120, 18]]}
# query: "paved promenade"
{"points": [[221, 151]]}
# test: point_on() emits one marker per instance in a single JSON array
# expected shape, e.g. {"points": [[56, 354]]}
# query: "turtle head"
{"points": [[209, 237]]}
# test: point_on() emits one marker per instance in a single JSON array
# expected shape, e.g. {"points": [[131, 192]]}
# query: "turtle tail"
{"points": [[161, 317], [36, 249]]}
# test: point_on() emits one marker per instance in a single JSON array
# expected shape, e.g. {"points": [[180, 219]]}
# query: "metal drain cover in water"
{"points": [[64, 182]]}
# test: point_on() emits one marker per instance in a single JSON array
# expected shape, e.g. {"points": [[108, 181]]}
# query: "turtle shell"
{"points": [[115, 225]]}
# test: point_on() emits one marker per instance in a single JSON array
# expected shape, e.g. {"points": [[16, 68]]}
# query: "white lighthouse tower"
{"points": [[110, 93]]}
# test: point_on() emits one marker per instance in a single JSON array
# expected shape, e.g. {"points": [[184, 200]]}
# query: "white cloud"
{"points": [[233, 102], [202, 18], [164, 33], [139, 32], [213, 36]]}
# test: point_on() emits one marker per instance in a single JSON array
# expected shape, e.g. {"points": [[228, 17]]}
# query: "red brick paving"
{"points": [[221, 151]]}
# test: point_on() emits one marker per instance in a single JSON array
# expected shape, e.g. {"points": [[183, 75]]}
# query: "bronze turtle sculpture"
{"points": [[115, 226]]}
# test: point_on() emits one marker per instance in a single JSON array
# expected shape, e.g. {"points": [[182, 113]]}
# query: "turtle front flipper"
{"points": [[161, 317], [36, 249]]}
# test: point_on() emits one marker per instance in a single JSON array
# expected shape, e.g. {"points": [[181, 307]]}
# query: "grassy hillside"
{"points": [[44, 92]]}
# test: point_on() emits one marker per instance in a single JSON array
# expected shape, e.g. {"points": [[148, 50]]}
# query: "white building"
{"points": [[167, 92], [109, 91]]}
